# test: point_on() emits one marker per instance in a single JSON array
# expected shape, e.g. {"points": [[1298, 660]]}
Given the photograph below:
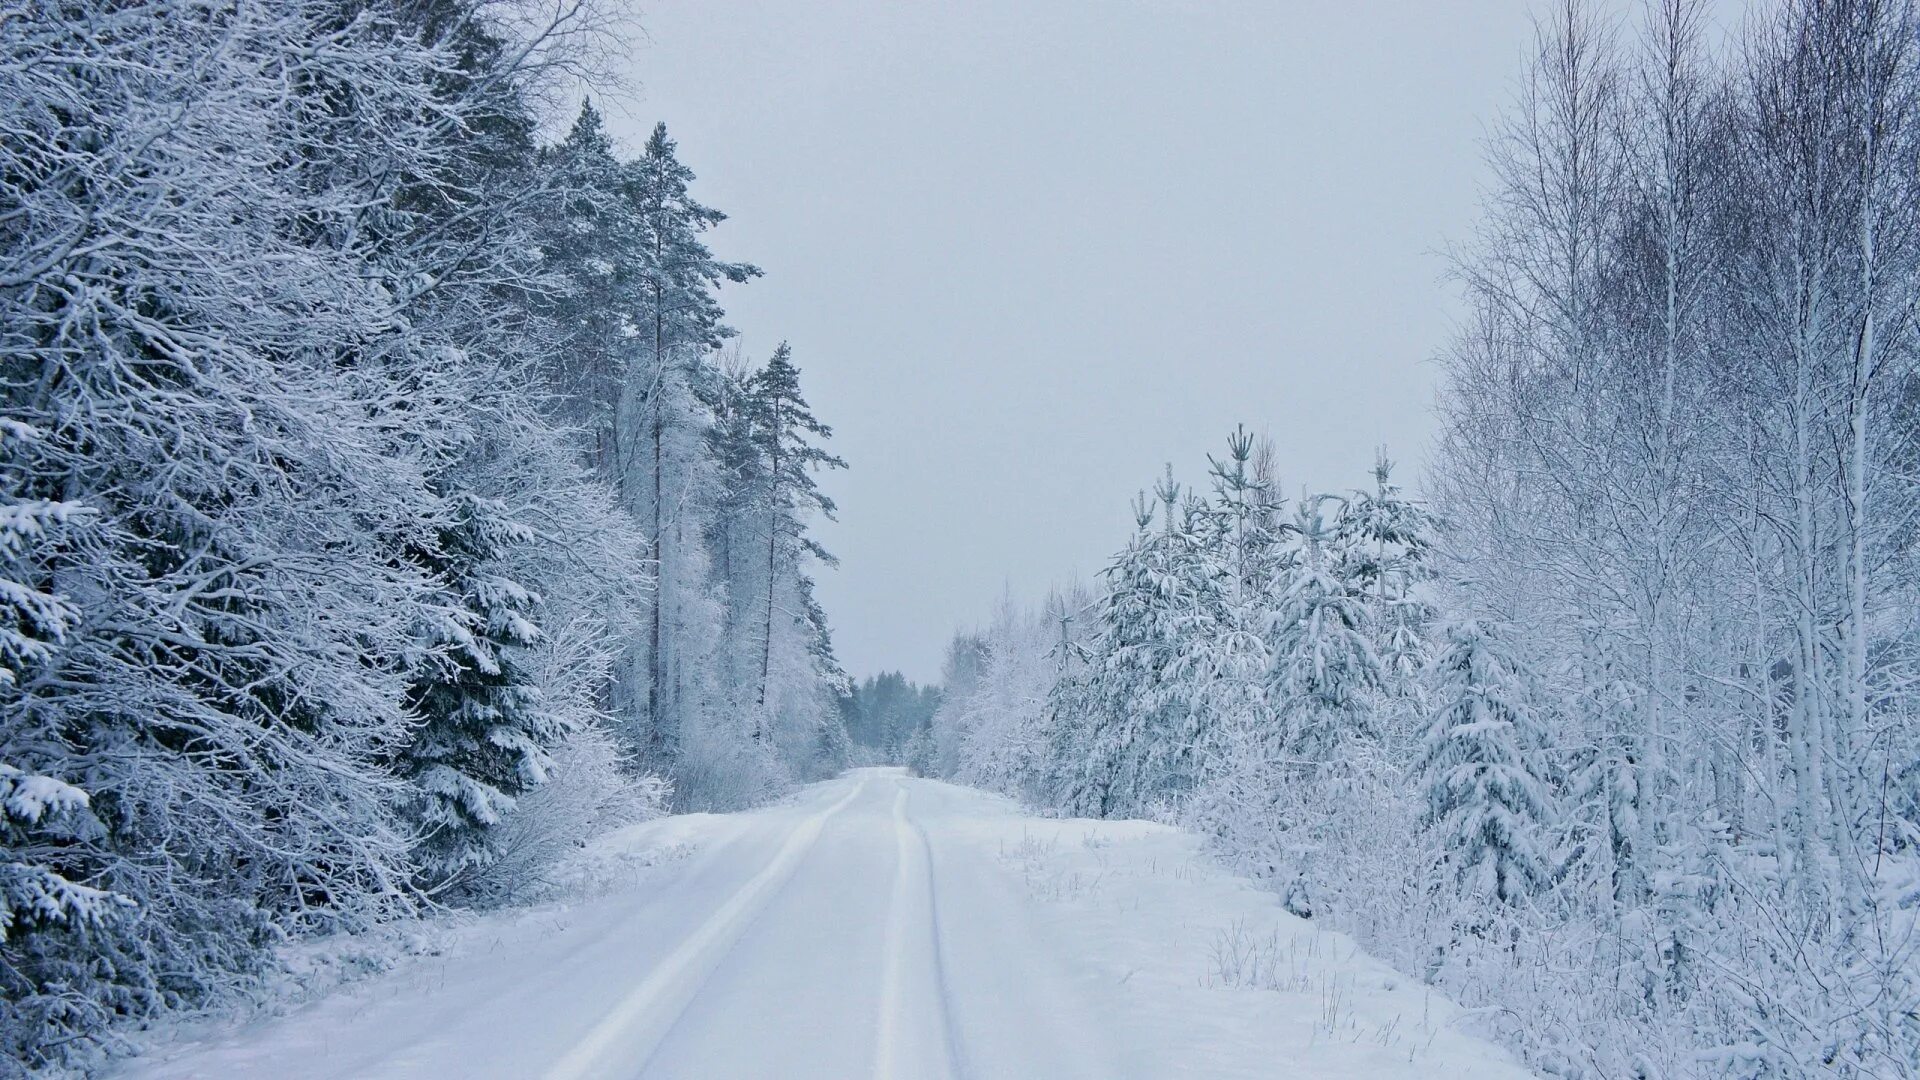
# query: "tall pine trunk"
{"points": [[656, 670], [773, 538]]}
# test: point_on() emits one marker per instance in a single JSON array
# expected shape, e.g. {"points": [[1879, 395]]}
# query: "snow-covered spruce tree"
{"points": [[1162, 599], [330, 402], [469, 226], [33, 620], [56, 931], [586, 560], [1487, 805], [532, 259], [485, 731], [45, 914], [1090, 732], [1602, 795]]}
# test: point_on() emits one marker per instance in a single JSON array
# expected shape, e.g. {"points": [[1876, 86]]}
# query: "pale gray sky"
{"points": [[1026, 252]]}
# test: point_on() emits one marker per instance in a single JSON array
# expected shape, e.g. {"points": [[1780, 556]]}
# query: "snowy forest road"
{"points": [[884, 926]]}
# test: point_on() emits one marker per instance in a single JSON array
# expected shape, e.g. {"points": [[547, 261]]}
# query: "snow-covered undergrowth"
{"points": [[549, 845], [1219, 977], [348, 974]]}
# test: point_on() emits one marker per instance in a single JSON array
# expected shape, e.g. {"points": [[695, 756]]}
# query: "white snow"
{"points": [[876, 925]]}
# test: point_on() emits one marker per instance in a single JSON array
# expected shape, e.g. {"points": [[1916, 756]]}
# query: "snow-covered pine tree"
{"points": [[1238, 747], [1383, 543], [786, 436], [733, 444], [1324, 666], [637, 322], [1245, 532], [1487, 805], [834, 746], [1163, 599], [594, 244], [678, 429], [661, 457]]}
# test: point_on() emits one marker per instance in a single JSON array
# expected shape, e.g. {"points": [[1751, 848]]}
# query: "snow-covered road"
{"points": [[877, 926]]}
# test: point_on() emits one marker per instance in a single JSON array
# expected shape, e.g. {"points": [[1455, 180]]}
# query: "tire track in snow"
{"points": [[551, 979], [648, 1011], [913, 913], [1042, 1024], [956, 1054]]}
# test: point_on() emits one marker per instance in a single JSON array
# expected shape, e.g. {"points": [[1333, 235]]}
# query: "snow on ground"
{"points": [[873, 926]]}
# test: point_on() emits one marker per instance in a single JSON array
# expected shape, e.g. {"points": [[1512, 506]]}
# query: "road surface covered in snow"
{"points": [[878, 926]]}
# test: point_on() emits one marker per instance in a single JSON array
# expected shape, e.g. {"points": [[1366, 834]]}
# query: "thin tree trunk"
{"points": [[1805, 719], [773, 538], [656, 673], [766, 639], [1861, 389]]}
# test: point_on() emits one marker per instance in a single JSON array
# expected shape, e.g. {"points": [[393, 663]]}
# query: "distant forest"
{"points": [[886, 714]]}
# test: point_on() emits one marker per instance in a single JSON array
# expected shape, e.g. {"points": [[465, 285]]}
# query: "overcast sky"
{"points": [[1027, 252]]}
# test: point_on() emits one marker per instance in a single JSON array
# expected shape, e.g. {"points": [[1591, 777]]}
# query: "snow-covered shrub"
{"points": [[589, 791], [718, 770]]}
